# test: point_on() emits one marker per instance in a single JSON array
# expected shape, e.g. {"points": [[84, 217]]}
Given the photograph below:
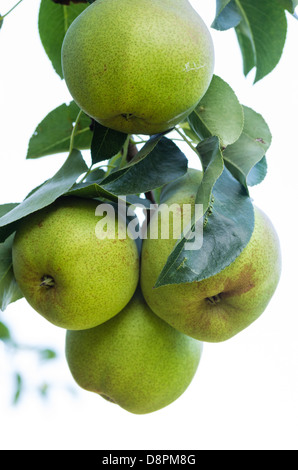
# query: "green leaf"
{"points": [[1, 21], [219, 114], [47, 354], [263, 32], [148, 170], [9, 290], [247, 47], [4, 333], [289, 5], [92, 190], [53, 134], [18, 388], [96, 175], [105, 143], [213, 166], [5, 208], [53, 22], [258, 173], [157, 163], [242, 156], [46, 193], [226, 234], [227, 15]]}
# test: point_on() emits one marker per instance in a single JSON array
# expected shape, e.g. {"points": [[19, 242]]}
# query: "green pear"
{"points": [[217, 308], [135, 360], [68, 271], [138, 66]]}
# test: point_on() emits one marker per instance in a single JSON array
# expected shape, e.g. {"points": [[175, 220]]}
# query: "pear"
{"points": [[70, 274], [138, 66], [135, 360], [217, 308]]}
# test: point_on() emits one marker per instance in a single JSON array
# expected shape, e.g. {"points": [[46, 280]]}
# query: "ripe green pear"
{"points": [[135, 360], [217, 308], [67, 271], [138, 66]]}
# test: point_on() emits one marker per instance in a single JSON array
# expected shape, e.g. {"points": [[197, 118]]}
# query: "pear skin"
{"points": [[68, 274], [135, 360], [217, 308], [138, 66]]}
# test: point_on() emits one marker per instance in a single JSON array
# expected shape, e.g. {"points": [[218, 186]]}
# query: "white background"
{"points": [[245, 394]]}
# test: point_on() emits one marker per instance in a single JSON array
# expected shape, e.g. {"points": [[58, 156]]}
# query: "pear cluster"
{"points": [[131, 343]]}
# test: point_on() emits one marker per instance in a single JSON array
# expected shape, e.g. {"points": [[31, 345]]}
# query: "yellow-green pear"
{"points": [[135, 360], [71, 270], [138, 66], [217, 308]]}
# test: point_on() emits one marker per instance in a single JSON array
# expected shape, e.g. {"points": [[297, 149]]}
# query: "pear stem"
{"points": [[189, 143], [73, 134], [47, 281], [3, 16]]}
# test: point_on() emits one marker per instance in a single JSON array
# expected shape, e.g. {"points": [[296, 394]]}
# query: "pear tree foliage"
{"points": [[230, 140]]}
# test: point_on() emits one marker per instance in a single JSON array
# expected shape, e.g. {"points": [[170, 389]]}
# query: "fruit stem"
{"points": [[189, 143], [73, 134], [47, 281], [3, 16]]}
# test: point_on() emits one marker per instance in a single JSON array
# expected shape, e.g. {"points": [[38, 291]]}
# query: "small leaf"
{"points": [[262, 31], [247, 47], [147, 171], [19, 388], [53, 22], [46, 193], [242, 156], [9, 290], [4, 333], [1, 21], [105, 143], [53, 134], [227, 233], [289, 5], [219, 114], [96, 175], [47, 354], [227, 15], [258, 173], [213, 167]]}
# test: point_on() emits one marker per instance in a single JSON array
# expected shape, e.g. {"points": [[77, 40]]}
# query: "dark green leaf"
{"points": [[289, 5], [105, 143], [147, 171], [92, 191], [213, 166], [4, 332], [1, 21], [96, 175], [46, 194], [263, 31], [226, 234], [53, 134], [53, 22], [227, 15], [9, 290], [219, 114], [242, 156], [247, 47]]}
